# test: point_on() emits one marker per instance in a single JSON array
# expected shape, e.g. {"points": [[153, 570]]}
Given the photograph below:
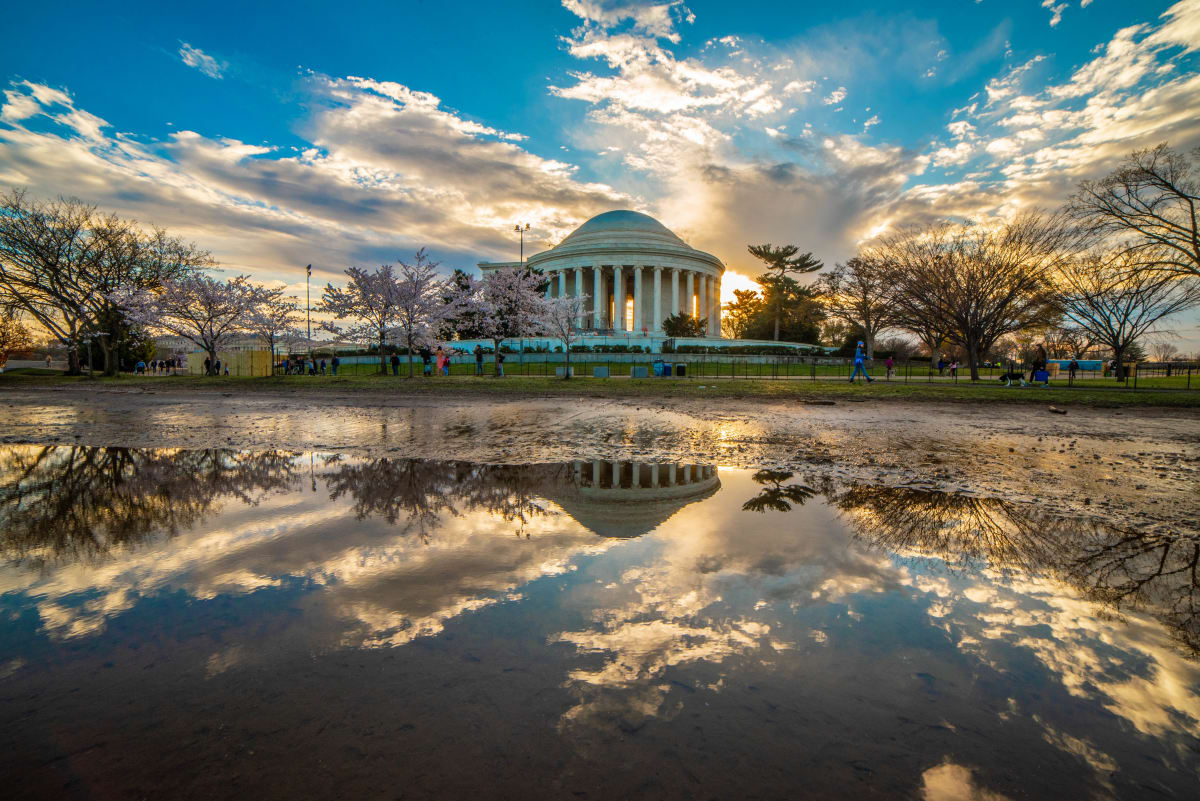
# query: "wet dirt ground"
{"points": [[1126, 467]]}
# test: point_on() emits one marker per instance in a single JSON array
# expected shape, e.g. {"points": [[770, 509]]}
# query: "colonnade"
{"points": [[634, 475], [656, 293]]}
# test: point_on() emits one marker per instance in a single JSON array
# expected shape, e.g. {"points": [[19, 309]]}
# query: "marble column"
{"points": [[674, 291], [562, 283], [598, 307], [596, 473], [635, 480], [671, 477], [715, 329], [654, 475], [657, 300], [687, 474], [581, 294], [637, 299], [691, 290], [616, 474], [618, 298]]}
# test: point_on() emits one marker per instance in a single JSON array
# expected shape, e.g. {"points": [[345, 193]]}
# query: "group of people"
{"points": [[302, 365], [439, 359], [943, 366], [154, 366]]}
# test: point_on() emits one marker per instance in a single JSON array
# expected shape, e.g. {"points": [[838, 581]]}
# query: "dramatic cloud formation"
{"points": [[730, 140]]}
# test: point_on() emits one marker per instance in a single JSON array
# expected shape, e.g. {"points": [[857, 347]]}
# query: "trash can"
{"points": [[658, 369], [681, 369]]}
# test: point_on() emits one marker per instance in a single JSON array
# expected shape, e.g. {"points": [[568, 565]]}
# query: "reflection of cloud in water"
{"points": [[951, 782], [674, 608], [426, 541], [1046, 587]]}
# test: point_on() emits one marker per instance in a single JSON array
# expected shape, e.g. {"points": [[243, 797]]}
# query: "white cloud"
{"points": [[195, 57], [1056, 11], [656, 19], [835, 97]]}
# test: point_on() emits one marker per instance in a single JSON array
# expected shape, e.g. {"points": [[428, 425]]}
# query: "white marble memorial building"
{"points": [[632, 273]]}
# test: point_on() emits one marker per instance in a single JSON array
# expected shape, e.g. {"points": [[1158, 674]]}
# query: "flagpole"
{"points": [[308, 309]]}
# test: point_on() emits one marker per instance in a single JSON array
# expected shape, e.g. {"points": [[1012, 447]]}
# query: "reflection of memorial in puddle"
{"points": [[394, 546], [628, 499]]}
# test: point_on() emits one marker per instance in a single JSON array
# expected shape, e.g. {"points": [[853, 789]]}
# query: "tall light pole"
{"points": [[522, 231], [308, 309]]}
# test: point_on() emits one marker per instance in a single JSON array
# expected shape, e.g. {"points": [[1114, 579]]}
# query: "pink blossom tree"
{"points": [[423, 301], [559, 317], [371, 301], [274, 318], [508, 302], [201, 309]]}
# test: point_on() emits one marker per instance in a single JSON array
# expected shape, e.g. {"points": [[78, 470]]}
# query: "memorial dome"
{"points": [[624, 225]]}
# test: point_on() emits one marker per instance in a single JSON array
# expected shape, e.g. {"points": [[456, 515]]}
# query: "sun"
{"points": [[731, 280]]}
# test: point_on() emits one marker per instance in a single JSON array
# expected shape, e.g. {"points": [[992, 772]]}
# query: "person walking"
{"points": [[207, 366], [334, 363], [891, 367], [1072, 368], [425, 355], [441, 360], [217, 367], [478, 359], [500, 362], [954, 369], [47, 361], [941, 366], [395, 362], [859, 359], [322, 367]]}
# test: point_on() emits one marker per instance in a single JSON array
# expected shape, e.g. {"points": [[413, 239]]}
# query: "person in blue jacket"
{"points": [[859, 358]]}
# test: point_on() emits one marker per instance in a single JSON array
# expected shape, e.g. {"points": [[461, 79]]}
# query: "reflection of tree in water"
{"points": [[415, 493], [74, 503], [1120, 567], [775, 494]]}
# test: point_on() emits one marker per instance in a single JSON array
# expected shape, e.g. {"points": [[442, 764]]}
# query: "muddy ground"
{"points": [[1137, 467]]}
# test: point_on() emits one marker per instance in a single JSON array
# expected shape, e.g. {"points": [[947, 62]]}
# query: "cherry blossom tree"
{"points": [[274, 318], [559, 317], [508, 302], [201, 309], [423, 301], [371, 301]]}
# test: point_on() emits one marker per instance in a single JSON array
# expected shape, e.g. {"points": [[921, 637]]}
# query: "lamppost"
{"points": [[308, 309], [522, 231]]}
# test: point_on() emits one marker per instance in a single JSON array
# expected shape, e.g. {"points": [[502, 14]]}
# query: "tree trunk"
{"points": [[382, 357], [212, 361], [496, 358], [409, 343], [1119, 363], [778, 313], [109, 350], [973, 360], [567, 372]]}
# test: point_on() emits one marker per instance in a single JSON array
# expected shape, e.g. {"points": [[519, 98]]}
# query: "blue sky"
{"points": [[281, 134]]}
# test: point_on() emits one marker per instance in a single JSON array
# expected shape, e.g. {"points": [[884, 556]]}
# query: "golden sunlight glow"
{"points": [[731, 281]]}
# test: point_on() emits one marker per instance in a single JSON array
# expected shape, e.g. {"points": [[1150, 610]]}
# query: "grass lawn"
{"points": [[985, 391]]}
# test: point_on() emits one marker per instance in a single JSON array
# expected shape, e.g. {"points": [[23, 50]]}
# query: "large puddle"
{"points": [[229, 624]]}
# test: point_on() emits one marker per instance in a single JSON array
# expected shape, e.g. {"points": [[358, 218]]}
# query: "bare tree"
{"points": [[859, 293], [274, 318], [62, 261], [1152, 203], [422, 302], [371, 300], [559, 317], [202, 310], [1118, 300], [782, 260], [1164, 351], [974, 284]]}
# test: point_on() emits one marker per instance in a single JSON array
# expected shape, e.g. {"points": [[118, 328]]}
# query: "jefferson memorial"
{"points": [[632, 273]]}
